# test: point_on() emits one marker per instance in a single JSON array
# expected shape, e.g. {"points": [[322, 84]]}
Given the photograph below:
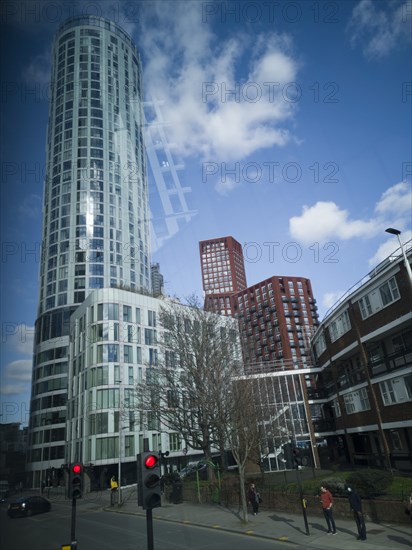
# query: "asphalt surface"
{"points": [[271, 524]]}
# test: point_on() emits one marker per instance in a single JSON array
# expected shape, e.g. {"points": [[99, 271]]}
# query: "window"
{"points": [[174, 443], [127, 314], [129, 449], [389, 292], [336, 408], [172, 399], [98, 376], [320, 345], [402, 341], [153, 421], [107, 447], [339, 326], [152, 356], [107, 399], [128, 354], [396, 390], [396, 440], [149, 336], [108, 312], [378, 298], [365, 307], [99, 423], [151, 315], [107, 353], [356, 401]]}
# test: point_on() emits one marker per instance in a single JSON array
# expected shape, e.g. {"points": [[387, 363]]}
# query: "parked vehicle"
{"points": [[26, 506]]}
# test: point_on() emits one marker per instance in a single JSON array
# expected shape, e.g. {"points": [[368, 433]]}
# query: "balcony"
{"points": [[395, 361], [324, 425], [350, 379], [318, 393]]}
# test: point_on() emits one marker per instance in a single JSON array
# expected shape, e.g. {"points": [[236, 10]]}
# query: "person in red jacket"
{"points": [[326, 500]]}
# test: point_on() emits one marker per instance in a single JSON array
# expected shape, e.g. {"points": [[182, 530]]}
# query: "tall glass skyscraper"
{"points": [[95, 216]]}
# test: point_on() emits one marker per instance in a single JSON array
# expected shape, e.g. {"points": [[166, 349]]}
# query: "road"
{"points": [[99, 530]]}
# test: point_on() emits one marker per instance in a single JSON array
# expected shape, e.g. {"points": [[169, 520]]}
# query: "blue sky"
{"points": [[290, 122]]}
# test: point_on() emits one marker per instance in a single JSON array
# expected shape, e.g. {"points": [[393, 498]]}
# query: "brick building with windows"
{"points": [[223, 273], [363, 402], [276, 319], [276, 316]]}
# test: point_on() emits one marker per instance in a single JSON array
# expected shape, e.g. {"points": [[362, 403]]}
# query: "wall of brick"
{"points": [[393, 511]]}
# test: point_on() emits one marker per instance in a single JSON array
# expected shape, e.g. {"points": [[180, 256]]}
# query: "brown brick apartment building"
{"points": [[362, 405], [276, 316]]}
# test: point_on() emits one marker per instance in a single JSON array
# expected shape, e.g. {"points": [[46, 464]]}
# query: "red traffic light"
{"points": [[151, 461], [76, 468]]}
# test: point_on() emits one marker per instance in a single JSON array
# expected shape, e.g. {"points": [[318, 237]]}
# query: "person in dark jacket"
{"points": [[355, 503], [254, 498]]}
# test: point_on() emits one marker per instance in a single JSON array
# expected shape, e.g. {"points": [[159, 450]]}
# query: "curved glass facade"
{"points": [[95, 215]]}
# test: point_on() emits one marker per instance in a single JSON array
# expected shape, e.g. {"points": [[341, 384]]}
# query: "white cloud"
{"points": [[325, 221], [379, 31], [194, 80], [227, 186], [330, 298], [388, 247], [16, 377], [38, 70], [18, 338], [396, 199]]}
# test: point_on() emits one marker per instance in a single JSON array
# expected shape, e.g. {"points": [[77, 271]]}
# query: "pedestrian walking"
{"points": [[254, 498], [113, 489], [326, 500], [355, 503]]}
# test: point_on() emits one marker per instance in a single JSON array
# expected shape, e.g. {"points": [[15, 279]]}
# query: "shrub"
{"points": [[336, 485], [370, 483]]}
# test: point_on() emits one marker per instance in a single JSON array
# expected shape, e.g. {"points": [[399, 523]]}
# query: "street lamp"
{"points": [[44, 422], [396, 232], [119, 468]]}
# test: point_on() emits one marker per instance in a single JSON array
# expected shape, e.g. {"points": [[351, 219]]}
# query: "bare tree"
{"points": [[242, 430], [199, 353]]}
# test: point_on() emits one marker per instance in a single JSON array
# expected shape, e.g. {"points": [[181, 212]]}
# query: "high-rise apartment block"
{"points": [[95, 216], [157, 280], [276, 316], [223, 273]]}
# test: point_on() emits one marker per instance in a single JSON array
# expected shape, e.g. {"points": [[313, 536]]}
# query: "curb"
{"points": [[250, 533]]}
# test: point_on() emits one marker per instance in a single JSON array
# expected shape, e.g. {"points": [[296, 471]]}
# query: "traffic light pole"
{"points": [[73, 543], [149, 529]]}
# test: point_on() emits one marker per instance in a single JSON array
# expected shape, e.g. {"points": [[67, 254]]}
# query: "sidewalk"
{"points": [[270, 524]]}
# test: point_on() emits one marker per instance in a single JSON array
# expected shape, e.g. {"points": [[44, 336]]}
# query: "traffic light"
{"points": [[149, 481], [75, 482]]}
